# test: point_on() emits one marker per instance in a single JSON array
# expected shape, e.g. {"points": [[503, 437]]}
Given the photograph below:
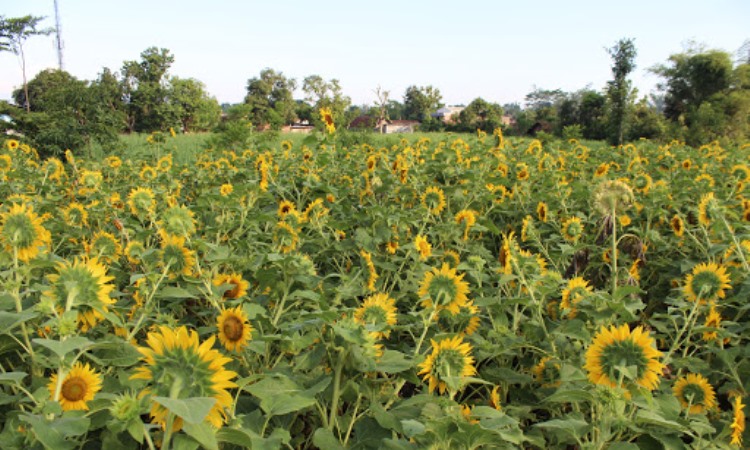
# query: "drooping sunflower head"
{"points": [[22, 232], [601, 170], [547, 372], [75, 215], [612, 196], [379, 312], [104, 246], [695, 393], [83, 286], [713, 320], [444, 289], [178, 220], [452, 258], [326, 115], [707, 209], [576, 290], [176, 256], [53, 167], [142, 202], [235, 330], [164, 164], [464, 323], [542, 211], [572, 229], [642, 182], [449, 362], [113, 162], [90, 179], [423, 247], [134, 251], [285, 237], [78, 387], [707, 282], [738, 420], [506, 254], [522, 171], [147, 173], [678, 226], [434, 200], [741, 173], [176, 364], [617, 349], [238, 285]]}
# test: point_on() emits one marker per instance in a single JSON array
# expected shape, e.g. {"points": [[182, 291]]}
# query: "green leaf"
{"points": [[12, 377], [280, 395], [570, 396], [412, 427], [175, 292], [48, 436], [136, 429], [384, 418], [393, 362], [572, 426], [324, 438], [115, 353], [203, 433], [191, 410], [183, 442], [10, 320], [62, 348], [623, 446], [653, 418]]}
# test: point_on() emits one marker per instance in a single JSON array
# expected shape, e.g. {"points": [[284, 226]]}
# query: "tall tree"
{"points": [[146, 90], [271, 100], [481, 114], [421, 102], [14, 32], [196, 110], [325, 94], [619, 89]]}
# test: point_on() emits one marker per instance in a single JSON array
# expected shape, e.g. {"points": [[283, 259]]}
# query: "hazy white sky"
{"points": [[497, 50]]}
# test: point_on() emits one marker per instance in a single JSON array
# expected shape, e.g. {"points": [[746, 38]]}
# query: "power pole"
{"points": [[58, 31]]}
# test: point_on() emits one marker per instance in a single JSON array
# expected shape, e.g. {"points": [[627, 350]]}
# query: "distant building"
{"points": [[509, 121], [396, 126], [448, 114], [298, 127]]}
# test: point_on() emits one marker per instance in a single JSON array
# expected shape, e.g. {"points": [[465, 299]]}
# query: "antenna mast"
{"points": [[58, 31]]}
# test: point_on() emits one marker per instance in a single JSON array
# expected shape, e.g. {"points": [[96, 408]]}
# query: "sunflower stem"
{"points": [[147, 304], [332, 414], [688, 324], [19, 307], [614, 249]]}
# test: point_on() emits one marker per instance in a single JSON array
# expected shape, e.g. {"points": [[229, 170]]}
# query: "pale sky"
{"points": [[497, 50]]}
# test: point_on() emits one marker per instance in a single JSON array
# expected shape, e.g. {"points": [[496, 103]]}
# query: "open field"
{"points": [[427, 291]]}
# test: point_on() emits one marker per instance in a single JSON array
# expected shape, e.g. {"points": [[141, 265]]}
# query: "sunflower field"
{"points": [[455, 292]]}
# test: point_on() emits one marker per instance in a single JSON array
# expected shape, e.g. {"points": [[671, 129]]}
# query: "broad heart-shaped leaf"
{"points": [[280, 395], [393, 362], [43, 430], [242, 437], [191, 410], [623, 446], [10, 320], [175, 292], [203, 433], [62, 348], [12, 377], [570, 426], [324, 438]]}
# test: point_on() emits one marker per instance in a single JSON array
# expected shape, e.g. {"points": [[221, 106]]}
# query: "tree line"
{"points": [[704, 96]]}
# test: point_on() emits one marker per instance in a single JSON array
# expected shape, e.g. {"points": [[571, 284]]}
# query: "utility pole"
{"points": [[58, 31]]}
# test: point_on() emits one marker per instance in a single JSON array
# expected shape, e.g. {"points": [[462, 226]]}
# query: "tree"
{"points": [[145, 91], [421, 102], [325, 94], [196, 110], [482, 115], [271, 101], [619, 88], [13, 33]]}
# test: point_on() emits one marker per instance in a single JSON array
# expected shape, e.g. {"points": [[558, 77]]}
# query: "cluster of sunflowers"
{"points": [[443, 292]]}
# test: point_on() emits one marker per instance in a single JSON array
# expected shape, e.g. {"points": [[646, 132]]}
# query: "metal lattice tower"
{"points": [[743, 53], [58, 31]]}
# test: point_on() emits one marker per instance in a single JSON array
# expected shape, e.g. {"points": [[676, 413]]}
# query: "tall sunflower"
{"points": [[707, 282], [695, 393], [434, 200], [576, 290], [78, 387], [285, 237], [174, 254], [83, 286], [614, 348], [547, 372], [103, 246], [22, 231], [372, 272], [285, 207], [176, 364], [423, 247], [705, 206], [177, 220], [468, 218], [444, 289], [738, 421], [234, 329], [713, 320], [238, 284], [326, 115], [449, 362], [379, 311]]}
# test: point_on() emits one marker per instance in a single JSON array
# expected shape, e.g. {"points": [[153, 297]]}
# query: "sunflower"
{"points": [[90, 180], [423, 247], [372, 273], [6, 163], [53, 167], [12, 144], [705, 178], [695, 393], [464, 323], [226, 189], [391, 247], [617, 347], [174, 255], [522, 172], [326, 115], [687, 164], [576, 290], [738, 421], [103, 246], [678, 226], [506, 255], [541, 211], [164, 164], [713, 320], [468, 218], [547, 372], [178, 365], [707, 283], [75, 215], [526, 225], [234, 329], [147, 173], [22, 232], [285, 237], [177, 221], [741, 172], [705, 214], [434, 200], [285, 207], [83, 286], [452, 258], [572, 229], [78, 387], [495, 398], [238, 285], [378, 311], [449, 362], [444, 289], [142, 201], [601, 170], [642, 182], [134, 251]]}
